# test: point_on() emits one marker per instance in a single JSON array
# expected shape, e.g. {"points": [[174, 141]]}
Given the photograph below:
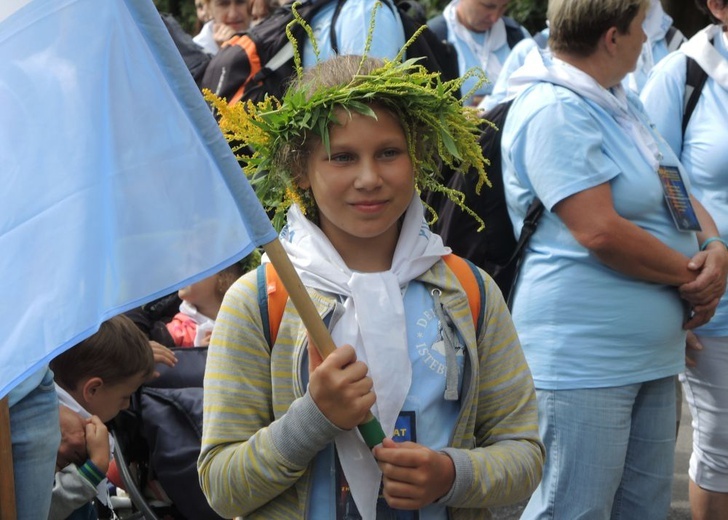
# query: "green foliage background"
{"points": [[182, 10], [529, 13]]}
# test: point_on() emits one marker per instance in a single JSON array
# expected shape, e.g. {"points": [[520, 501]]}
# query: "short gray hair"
{"points": [[576, 25]]}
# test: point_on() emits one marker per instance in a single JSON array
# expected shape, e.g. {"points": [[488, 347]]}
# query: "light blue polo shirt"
{"points": [[581, 323], [703, 152], [351, 31], [472, 61], [426, 418], [513, 62]]}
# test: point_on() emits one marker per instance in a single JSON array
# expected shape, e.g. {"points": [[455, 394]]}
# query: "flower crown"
{"points": [[437, 126]]}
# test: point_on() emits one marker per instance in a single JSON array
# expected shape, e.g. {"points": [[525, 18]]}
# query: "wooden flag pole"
{"points": [[370, 429], [7, 479]]}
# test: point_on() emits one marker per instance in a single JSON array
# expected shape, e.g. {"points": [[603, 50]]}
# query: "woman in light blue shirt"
{"points": [[610, 277], [702, 149]]}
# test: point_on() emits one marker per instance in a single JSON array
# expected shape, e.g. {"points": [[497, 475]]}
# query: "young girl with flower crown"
{"points": [[352, 143]]}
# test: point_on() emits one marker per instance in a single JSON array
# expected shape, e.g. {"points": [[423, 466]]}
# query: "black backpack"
{"points": [[159, 438], [495, 248], [193, 55], [260, 61]]}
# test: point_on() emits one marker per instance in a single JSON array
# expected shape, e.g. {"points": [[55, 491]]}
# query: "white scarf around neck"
{"points": [[373, 323], [494, 39], [656, 24], [541, 66], [700, 48]]}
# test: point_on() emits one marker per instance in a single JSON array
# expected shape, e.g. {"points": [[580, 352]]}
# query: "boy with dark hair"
{"points": [[96, 379]]}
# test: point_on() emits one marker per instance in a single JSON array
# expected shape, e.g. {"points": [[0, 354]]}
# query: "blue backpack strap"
{"points": [[263, 302], [481, 288]]}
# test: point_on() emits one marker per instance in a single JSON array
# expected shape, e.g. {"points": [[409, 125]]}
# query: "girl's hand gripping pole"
{"points": [[370, 429]]}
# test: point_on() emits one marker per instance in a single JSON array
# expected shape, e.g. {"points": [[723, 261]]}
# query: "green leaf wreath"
{"points": [[437, 126]]}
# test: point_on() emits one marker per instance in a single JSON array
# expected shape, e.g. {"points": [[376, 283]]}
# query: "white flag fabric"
{"points": [[116, 184]]}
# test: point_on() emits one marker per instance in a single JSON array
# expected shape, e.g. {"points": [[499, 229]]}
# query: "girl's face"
{"points": [[366, 184]]}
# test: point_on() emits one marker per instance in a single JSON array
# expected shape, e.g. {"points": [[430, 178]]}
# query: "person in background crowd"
{"points": [[699, 140], [662, 39], [192, 325], [483, 38], [350, 21], [202, 15], [96, 379], [513, 62], [226, 19], [614, 273], [261, 9]]}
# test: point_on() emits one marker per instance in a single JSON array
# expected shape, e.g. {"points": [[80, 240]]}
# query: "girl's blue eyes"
{"points": [[389, 153], [341, 157]]}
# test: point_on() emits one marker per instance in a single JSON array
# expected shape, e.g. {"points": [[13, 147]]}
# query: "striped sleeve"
{"points": [[506, 463], [251, 455]]}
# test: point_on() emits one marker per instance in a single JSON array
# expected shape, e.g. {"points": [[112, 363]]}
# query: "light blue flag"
{"points": [[116, 184]]}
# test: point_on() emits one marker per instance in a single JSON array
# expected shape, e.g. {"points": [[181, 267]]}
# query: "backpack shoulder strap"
{"points": [[413, 9], [332, 26], [472, 282], [438, 25], [514, 31], [272, 295], [674, 38], [272, 299], [694, 81]]}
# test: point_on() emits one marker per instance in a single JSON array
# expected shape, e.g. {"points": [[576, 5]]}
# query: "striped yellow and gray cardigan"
{"points": [[261, 429]]}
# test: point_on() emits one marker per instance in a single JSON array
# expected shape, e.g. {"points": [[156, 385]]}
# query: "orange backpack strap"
{"points": [[272, 299], [249, 47], [472, 283]]}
